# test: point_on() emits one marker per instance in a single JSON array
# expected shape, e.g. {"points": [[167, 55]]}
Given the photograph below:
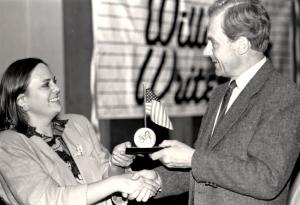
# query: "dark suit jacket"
{"points": [[250, 157]]}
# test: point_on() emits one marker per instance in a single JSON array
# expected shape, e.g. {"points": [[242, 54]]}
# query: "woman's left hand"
{"points": [[119, 157]]}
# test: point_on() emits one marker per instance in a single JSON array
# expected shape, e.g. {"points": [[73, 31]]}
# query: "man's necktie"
{"points": [[225, 101]]}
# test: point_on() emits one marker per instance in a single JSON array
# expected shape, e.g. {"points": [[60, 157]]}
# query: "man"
{"points": [[246, 151]]}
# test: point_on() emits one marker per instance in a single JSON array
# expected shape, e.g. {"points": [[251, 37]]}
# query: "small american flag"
{"points": [[156, 110]]}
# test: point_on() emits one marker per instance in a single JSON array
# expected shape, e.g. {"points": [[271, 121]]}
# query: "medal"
{"points": [[144, 138]]}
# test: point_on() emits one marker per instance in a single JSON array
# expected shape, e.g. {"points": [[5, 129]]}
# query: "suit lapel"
{"points": [[44, 148], [241, 104], [61, 165], [209, 119], [48, 151]]}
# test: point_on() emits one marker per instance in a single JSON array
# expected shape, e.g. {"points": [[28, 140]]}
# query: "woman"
{"points": [[50, 158]]}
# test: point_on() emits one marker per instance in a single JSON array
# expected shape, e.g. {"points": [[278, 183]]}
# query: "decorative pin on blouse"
{"points": [[79, 150]]}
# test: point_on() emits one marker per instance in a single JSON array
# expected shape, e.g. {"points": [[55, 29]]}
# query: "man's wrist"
{"points": [[158, 180], [191, 157]]}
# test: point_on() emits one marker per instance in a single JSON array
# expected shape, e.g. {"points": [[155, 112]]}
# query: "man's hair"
{"points": [[246, 18]]}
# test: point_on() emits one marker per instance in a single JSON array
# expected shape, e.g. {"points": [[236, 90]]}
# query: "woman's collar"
{"points": [[58, 126]]}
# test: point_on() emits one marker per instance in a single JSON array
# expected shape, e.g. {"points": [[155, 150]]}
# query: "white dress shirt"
{"points": [[241, 82]]}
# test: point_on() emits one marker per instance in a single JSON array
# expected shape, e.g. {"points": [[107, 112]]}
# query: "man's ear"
{"points": [[22, 102], [242, 45]]}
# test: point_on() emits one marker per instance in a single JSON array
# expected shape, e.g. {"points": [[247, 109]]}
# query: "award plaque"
{"points": [[144, 139]]}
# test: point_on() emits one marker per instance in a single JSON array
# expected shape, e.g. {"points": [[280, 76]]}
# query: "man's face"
{"points": [[220, 48]]}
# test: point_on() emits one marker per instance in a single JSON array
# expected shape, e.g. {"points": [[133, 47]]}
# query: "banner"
{"points": [[160, 43]]}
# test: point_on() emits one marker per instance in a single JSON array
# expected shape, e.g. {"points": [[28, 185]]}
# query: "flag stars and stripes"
{"points": [[156, 110]]}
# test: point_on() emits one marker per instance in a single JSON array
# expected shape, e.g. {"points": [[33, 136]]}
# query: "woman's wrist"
{"points": [[119, 183], [116, 183], [101, 189], [115, 169]]}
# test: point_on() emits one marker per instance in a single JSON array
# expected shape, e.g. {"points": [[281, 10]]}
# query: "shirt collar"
{"points": [[245, 77], [57, 124]]}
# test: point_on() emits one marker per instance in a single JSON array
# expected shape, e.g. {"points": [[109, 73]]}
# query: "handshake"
{"points": [[140, 185], [146, 183]]}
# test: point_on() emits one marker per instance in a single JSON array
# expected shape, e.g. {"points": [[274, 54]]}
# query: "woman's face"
{"points": [[42, 95]]}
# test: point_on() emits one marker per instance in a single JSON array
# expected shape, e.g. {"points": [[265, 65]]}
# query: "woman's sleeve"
{"points": [[103, 156], [100, 153], [25, 179]]}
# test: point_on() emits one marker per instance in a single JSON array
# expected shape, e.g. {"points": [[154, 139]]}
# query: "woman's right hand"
{"points": [[130, 184]]}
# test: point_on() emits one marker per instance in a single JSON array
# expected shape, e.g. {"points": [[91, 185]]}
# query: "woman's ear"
{"points": [[21, 102]]}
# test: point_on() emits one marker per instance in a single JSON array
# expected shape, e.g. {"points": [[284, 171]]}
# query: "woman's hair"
{"points": [[14, 82], [246, 18]]}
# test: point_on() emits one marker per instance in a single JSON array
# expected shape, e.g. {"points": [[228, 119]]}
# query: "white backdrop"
{"points": [[160, 42]]}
